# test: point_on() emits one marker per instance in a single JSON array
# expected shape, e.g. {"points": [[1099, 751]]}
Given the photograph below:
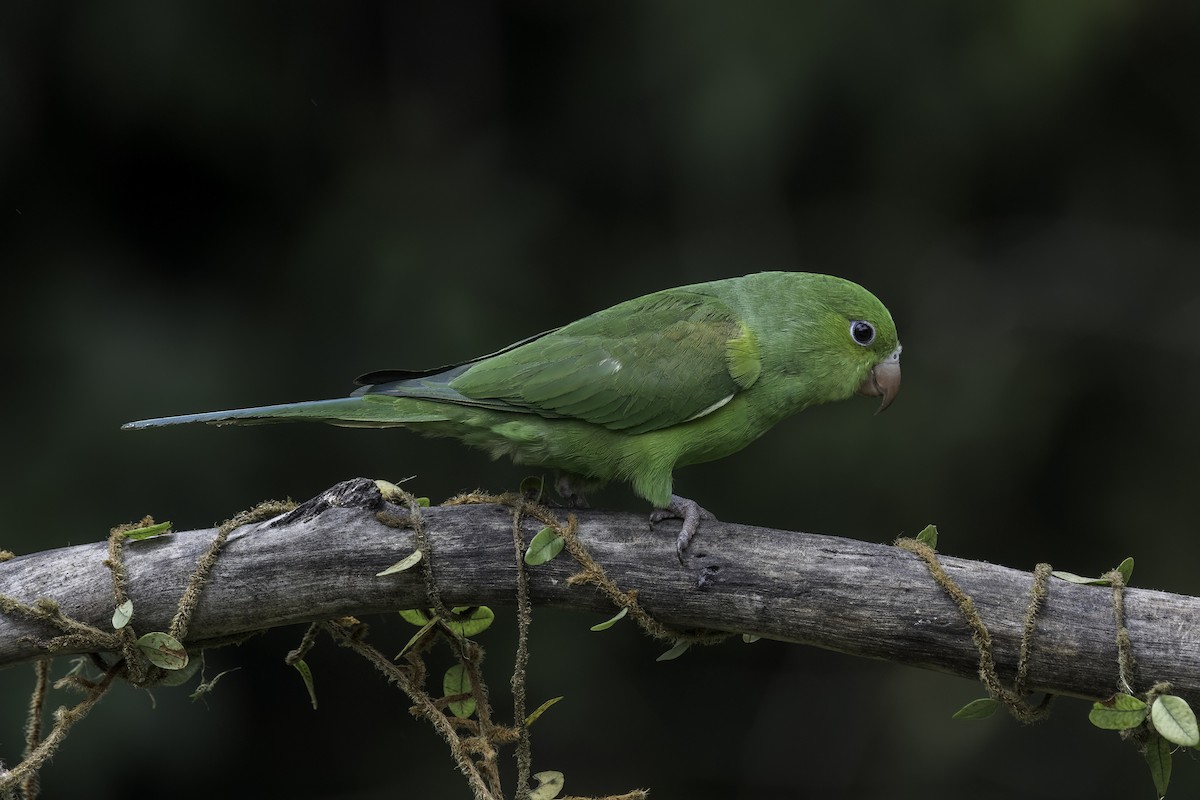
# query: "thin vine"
{"points": [[138, 663]]}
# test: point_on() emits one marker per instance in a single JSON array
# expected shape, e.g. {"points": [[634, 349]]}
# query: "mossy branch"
{"points": [[320, 561]]}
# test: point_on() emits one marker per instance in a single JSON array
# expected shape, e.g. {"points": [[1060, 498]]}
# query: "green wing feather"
{"points": [[642, 365]]}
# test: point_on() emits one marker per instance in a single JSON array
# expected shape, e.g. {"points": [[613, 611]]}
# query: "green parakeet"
{"points": [[676, 377]]}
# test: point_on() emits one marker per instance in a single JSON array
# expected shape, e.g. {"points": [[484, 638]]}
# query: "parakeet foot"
{"points": [[687, 510]]}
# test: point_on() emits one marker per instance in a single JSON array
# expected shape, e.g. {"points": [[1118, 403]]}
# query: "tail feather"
{"points": [[373, 411]]}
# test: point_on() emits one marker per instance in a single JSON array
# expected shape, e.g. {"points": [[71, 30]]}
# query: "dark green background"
{"points": [[210, 205]]}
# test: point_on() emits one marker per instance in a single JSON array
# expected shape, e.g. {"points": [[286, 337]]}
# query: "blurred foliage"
{"points": [[220, 204]]}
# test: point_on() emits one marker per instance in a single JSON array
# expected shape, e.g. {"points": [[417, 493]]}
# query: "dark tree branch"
{"points": [[860, 598]]}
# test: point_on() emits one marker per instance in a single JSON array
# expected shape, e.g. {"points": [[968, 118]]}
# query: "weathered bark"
{"points": [[865, 599]]}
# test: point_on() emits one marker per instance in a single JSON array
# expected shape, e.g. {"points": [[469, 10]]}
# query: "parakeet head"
{"points": [[868, 340], [849, 343]]}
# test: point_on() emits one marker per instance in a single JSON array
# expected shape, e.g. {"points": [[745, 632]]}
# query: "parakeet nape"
{"points": [[676, 377]]}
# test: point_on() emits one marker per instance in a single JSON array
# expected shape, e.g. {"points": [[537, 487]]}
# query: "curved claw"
{"points": [[687, 510]]}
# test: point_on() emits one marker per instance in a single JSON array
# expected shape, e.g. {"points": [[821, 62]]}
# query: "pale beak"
{"points": [[883, 380]]}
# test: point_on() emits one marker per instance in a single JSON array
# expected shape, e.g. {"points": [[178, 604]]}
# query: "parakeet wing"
{"points": [[645, 364]]}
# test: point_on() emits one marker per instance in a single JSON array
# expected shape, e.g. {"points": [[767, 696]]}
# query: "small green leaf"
{"points": [[163, 650], [478, 621], [416, 616], [608, 623], [409, 561], [1158, 758], [750, 638], [982, 708], [537, 712], [456, 681], [532, 487], [416, 637], [1071, 577], [928, 536], [1120, 712], [1126, 569], [545, 546], [122, 615], [306, 673], [675, 652], [149, 532], [1174, 720], [423, 502], [549, 785]]}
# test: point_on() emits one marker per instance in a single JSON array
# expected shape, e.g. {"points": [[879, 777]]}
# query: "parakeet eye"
{"points": [[862, 332]]}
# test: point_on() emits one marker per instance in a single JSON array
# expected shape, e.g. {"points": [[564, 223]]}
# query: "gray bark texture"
{"points": [[876, 601]]}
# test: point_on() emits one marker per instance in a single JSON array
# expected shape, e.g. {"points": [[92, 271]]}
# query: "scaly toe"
{"points": [[687, 510]]}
